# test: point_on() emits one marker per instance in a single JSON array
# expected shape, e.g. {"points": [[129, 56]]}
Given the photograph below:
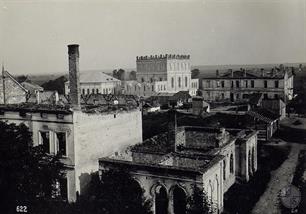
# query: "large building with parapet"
{"points": [[162, 74], [238, 85], [79, 133], [168, 168]]}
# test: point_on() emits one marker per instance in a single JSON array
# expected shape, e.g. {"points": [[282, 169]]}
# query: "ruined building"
{"points": [[239, 85], [79, 133], [168, 168], [10, 90]]}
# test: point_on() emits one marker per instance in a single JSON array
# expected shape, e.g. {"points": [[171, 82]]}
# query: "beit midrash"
{"points": [[168, 167], [162, 74], [96, 82]]}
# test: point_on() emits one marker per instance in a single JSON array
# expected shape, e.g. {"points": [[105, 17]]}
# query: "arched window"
{"points": [[186, 81], [253, 160], [224, 169], [161, 200], [152, 87], [250, 163], [97, 91], [231, 163], [179, 200], [83, 91], [179, 82], [172, 82], [88, 92]]}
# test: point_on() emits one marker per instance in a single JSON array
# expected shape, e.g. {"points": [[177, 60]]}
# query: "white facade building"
{"points": [[163, 73], [96, 82]]}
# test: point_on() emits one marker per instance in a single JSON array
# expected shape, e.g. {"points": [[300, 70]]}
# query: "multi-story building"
{"points": [[238, 85], [78, 133], [96, 82], [162, 74], [169, 168]]}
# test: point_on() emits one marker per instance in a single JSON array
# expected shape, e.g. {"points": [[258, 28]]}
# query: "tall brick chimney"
{"points": [[74, 77]]}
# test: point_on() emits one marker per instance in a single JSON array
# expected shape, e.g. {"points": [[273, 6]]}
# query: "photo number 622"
{"points": [[21, 209]]}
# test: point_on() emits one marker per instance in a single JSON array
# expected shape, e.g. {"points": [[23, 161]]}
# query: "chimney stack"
{"points": [[74, 76]]}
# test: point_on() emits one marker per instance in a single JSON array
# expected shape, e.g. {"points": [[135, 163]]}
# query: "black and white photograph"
{"points": [[153, 106]]}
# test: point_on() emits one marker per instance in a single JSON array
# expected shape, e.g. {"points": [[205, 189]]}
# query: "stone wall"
{"points": [[100, 135], [14, 93]]}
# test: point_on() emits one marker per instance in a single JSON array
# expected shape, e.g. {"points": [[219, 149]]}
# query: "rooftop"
{"points": [[93, 104], [174, 163], [96, 77], [274, 73]]}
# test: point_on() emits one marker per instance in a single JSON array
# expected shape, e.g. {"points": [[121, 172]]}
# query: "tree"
{"points": [[117, 192], [195, 73], [132, 75], [22, 78], [27, 174], [198, 203], [119, 74], [56, 85]]}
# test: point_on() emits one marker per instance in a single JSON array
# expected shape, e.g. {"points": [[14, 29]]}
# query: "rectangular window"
{"points": [[276, 83], [237, 96], [97, 91], [208, 83], [245, 96], [45, 141], [59, 190], [246, 83], [232, 85], [63, 188], [266, 84], [61, 143], [222, 84], [265, 96], [252, 84], [237, 83], [88, 91], [222, 96], [276, 96], [83, 91]]}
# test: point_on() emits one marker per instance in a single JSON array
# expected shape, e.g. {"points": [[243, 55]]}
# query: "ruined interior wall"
{"points": [[100, 135]]}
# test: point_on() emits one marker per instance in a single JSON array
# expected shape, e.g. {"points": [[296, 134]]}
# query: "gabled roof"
{"points": [[7, 74], [31, 86], [96, 77]]}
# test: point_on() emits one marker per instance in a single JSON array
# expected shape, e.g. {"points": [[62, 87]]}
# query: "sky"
{"points": [[34, 34]]}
